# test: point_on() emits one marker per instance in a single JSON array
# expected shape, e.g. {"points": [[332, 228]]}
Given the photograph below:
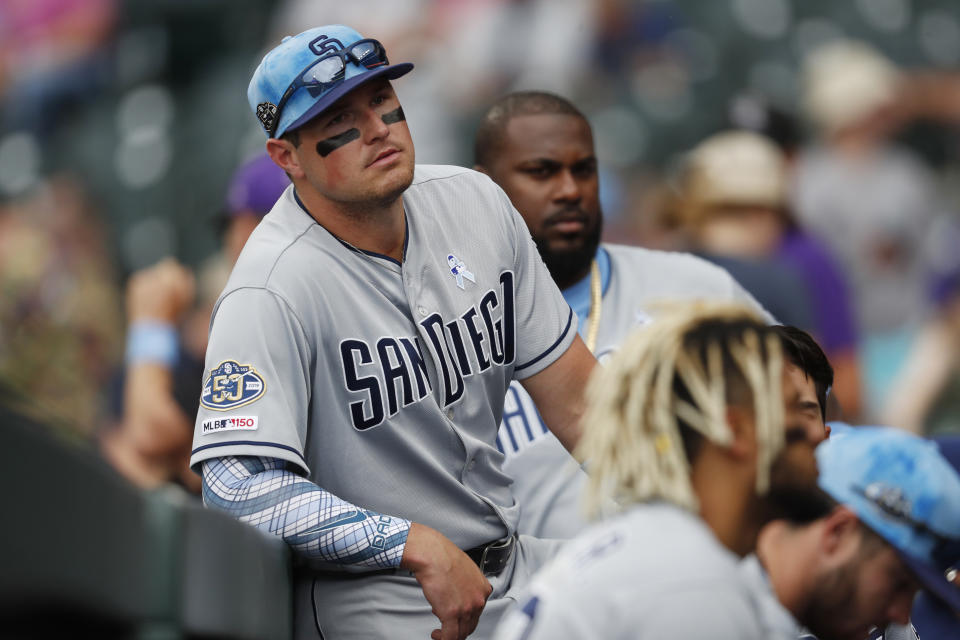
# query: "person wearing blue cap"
{"points": [[893, 527], [360, 354], [936, 613]]}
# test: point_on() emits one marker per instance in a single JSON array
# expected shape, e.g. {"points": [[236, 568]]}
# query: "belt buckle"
{"points": [[497, 554]]}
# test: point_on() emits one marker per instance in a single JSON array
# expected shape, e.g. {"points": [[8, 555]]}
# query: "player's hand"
{"points": [[451, 582], [161, 292]]}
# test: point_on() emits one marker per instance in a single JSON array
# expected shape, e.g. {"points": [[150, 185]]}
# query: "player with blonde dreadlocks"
{"points": [[671, 379], [685, 430]]}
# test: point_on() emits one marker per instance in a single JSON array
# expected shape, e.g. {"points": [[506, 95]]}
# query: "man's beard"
{"points": [[794, 494], [566, 266], [833, 601]]}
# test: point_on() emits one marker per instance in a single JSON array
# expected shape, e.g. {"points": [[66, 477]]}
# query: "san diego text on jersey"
{"points": [[478, 339]]}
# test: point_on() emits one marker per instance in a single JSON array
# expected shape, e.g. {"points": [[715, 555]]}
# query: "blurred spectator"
{"points": [[51, 51], [753, 113], [873, 203], [59, 313], [926, 397], [167, 339], [734, 205], [732, 188]]}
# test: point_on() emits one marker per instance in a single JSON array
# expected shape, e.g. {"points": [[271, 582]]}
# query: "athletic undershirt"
{"points": [[317, 524]]}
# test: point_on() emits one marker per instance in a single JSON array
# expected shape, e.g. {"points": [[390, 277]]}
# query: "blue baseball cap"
{"points": [[286, 63], [903, 488]]}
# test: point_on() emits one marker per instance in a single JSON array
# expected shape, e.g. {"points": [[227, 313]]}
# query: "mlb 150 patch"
{"points": [[231, 423], [231, 385]]}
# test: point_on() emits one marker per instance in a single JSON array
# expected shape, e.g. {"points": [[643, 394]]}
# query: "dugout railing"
{"points": [[85, 554]]}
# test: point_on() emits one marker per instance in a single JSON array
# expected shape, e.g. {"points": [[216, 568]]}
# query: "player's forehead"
{"points": [[797, 383], [547, 135]]}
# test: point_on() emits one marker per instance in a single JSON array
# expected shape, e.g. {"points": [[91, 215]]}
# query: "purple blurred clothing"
{"points": [[255, 187], [829, 295]]}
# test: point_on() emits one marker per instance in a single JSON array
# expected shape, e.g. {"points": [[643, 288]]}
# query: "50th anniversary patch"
{"points": [[231, 385]]}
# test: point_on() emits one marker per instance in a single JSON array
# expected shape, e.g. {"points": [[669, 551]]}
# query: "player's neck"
{"points": [[377, 228], [783, 555], [725, 499]]}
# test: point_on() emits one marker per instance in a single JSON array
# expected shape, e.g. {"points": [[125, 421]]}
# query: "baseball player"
{"points": [[539, 148], [685, 428], [893, 527], [360, 354]]}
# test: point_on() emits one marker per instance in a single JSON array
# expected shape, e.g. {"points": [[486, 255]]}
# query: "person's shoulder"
{"points": [[460, 196], [428, 178], [665, 535], [424, 173], [671, 265], [276, 244]]}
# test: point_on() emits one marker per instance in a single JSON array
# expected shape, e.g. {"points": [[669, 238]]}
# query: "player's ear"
{"points": [[743, 428], [285, 156], [839, 532]]}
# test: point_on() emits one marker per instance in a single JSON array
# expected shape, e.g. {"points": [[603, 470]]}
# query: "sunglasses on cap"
{"points": [[946, 549], [325, 72]]}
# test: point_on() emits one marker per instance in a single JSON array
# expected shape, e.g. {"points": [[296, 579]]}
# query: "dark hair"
{"points": [[802, 351], [697, 342], [292, 136], [489, 135]]}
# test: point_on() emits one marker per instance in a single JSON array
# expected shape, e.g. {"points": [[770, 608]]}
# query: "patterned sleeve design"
{"points": [[317, 524]]}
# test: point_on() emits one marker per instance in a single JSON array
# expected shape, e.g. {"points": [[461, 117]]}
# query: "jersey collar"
{"points": [[373, 254]]}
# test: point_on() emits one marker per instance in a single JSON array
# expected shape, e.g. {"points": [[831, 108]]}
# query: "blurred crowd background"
{"points": [[123, 122]]}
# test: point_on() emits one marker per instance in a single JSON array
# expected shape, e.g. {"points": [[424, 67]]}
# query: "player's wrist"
{"points": [[151, 342], [416, 550]]}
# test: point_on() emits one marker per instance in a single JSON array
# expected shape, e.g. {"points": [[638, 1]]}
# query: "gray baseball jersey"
{"points": [[655, 571], [382, 381], [547, 481]]}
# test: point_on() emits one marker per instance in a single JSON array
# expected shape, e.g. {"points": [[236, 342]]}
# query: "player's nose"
{"points": [[567, 187], [374, 128]]}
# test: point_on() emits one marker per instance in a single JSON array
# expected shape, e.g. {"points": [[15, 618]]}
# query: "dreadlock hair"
{"points": [[666, 389], [489, 136]]}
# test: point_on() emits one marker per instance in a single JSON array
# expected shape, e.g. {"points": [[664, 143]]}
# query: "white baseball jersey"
{"points": [[777, 621], [384, 382], [547, 481], [655, 571]]}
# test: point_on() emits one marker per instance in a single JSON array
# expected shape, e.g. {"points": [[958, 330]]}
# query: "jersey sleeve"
{"points": [[546, 325], [741, 296], [256, 384]]}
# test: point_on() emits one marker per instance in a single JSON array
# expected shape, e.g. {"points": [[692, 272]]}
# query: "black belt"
{"points": [[493, 557]]}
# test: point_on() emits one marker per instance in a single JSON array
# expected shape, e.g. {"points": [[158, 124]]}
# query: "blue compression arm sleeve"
{"points": [[316, 523]]}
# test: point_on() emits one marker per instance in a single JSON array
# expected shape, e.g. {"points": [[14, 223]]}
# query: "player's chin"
{"points": [[390, 184], [568, 244]]}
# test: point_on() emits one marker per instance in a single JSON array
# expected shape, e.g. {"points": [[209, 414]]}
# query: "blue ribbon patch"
{"points": [[231, 385]]}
